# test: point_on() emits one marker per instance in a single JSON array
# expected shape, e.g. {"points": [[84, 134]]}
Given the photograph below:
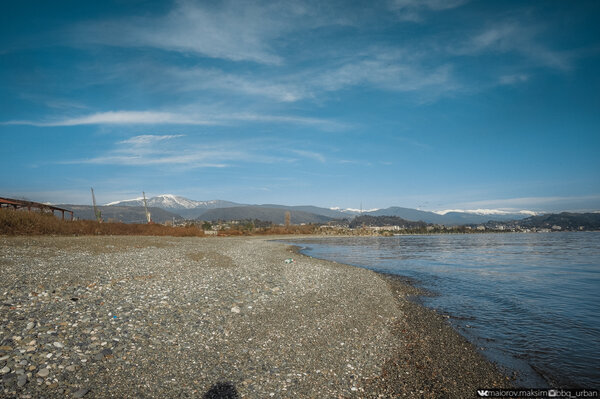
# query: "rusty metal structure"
{"points": [[29, 205]]}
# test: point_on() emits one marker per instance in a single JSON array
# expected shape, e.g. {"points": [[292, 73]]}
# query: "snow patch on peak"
{"points": [[169, 202], [352, 210], [128, 200], [487, 212]]}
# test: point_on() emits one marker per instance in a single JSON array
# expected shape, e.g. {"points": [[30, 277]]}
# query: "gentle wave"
{"points": [[530, 301]]}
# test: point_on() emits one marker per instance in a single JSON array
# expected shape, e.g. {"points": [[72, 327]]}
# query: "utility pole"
{"points": [[97, 212], [148, 216]]}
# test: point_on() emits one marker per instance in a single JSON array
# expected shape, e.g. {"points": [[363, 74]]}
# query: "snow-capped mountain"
{"points": [[170, 201], [185, 207], [191, 209], [352, 211], [488, 212]]}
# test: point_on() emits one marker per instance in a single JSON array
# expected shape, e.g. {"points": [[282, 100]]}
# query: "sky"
{"points": [[426, 104]]}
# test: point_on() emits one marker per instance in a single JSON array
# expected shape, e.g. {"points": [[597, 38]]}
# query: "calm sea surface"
{"points": [[529, 300]]}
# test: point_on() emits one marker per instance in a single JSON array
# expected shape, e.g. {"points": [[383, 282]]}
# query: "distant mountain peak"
{"points": [[487, 212], [122, 201], [184, 207], [165, 201], [353, 211]]}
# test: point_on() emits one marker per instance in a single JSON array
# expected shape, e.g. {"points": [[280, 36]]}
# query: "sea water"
{"points": [[528, 301]]}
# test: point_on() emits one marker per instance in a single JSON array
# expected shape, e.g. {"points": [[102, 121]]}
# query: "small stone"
{"points": [[5, 370], [58, 345], [81, 393], [8, 378], [30, 325], [3, 358], [43, 373], [235, 309], [70, 368], [30, 349], [33, 342], [21, 380]]}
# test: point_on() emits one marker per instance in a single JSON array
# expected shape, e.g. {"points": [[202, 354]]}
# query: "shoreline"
{"points": [[182, 317], [439, 357]]}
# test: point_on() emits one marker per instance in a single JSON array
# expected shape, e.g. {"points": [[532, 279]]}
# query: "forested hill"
{"points": [[565, 220], [378, 221]]}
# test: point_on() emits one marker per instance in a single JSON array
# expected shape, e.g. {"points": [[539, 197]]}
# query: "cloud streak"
{"points": [[179, 152], [165, 150], [310, 154], [170, 118], [382, 68], [510, 36], [149, 138], [229, 31], [413, 10], [237, 32]]}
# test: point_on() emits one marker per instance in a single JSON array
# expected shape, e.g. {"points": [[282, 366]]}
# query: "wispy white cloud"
{"points": [[180, 152], [513, 79], [381, 68], [412, 10], [514, 36], [230, 30], [145, 139], [171, 118], [386, 74], [237, 31], [120, 118], [310, 154], [283, 89], [164, 150]]}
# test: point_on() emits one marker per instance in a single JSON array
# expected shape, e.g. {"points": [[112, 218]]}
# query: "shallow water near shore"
{"points": [[528, 301]]}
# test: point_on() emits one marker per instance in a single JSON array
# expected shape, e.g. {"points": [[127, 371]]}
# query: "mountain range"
{"points": [[225, 210], [126, 214], [186, 208], [565, 220]]}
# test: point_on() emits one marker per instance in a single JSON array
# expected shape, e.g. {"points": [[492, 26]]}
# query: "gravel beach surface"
{"points": [[163, 317]]}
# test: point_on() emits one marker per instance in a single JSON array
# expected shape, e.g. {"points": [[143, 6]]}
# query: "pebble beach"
{"points": [[164, 317]]}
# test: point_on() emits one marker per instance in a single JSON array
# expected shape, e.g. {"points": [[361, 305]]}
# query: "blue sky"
{"points": [[427, 104]]}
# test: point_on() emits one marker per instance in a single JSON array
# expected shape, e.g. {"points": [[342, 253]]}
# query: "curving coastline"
{"points": [[187, 317]]}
